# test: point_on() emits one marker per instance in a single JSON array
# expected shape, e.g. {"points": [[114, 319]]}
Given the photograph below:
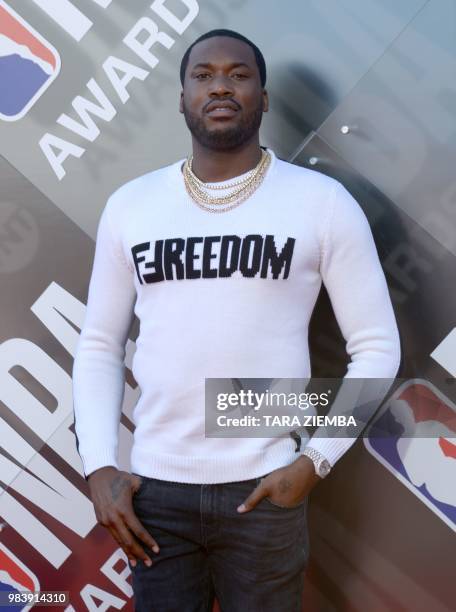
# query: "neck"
{"points": [[211, 166]]}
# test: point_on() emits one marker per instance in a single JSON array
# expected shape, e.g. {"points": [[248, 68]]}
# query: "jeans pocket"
{"points": [[269, 501]]}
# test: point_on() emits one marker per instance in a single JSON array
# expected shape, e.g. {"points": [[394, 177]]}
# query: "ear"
{"points": [[181, 102], [265, 101]]}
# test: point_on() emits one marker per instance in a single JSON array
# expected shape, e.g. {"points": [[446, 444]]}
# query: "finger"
{"points": [[140, 532], [135, 525], [253, 499], [131, 547], [118, 539]]}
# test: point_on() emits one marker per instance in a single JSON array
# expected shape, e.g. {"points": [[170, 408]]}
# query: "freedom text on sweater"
{"points": [[212, 257]]}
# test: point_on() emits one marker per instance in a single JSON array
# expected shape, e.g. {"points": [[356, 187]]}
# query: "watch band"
{"points": [[321, 464]]}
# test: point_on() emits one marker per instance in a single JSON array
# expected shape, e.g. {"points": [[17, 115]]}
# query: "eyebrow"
{"points": [[209, 65]]}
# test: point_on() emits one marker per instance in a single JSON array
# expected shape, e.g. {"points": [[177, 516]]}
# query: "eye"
{"points": [[240, 75], [201, 76]]}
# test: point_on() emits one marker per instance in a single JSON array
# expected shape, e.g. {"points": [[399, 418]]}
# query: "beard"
{"points": [[224, 138]]}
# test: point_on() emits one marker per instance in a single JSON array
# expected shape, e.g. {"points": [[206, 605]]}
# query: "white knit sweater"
{"points": [[221, 295]]}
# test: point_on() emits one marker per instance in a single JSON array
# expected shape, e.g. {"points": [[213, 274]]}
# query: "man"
{"points": [[221, 256]]}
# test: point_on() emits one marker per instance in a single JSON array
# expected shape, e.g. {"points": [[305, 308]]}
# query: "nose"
{"points": [[220, 85]]}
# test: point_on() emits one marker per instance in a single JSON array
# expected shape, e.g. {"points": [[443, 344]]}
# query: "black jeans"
{"points": [[252, 562]]}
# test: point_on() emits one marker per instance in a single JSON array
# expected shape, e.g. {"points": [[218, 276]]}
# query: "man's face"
{"points": [[222, 98]]}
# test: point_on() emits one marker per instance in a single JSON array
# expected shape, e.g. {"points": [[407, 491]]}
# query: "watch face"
{"points": [[324, 468]]}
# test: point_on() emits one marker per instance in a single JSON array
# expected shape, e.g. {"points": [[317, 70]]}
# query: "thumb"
{"points": [[253, 499], [136, 482]]}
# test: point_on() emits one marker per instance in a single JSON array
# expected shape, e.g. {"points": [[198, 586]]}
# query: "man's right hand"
{"points": [[111, 491]]}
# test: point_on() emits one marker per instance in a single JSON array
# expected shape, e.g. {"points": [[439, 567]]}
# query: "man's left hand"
{"points": [[286, 487]]}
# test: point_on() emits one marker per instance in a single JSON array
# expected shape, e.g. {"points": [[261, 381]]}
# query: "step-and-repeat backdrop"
{"points": [[362, 91]]}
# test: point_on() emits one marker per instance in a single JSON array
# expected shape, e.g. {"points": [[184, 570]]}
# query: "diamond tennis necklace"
{"points": [[241, 189]]}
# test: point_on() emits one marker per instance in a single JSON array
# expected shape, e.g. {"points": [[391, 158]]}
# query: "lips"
{"points": [[221, 109]]}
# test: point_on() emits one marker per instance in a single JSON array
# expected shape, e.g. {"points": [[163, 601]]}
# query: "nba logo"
{"points": [[15, 577], [28, 65], [414, 437]]}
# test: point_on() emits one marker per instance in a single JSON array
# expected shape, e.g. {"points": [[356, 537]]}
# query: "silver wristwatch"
{"points": [[321, 464]]}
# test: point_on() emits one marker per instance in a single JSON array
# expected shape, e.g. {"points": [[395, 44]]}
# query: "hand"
{"points": [[287, 486], [111, 491]]}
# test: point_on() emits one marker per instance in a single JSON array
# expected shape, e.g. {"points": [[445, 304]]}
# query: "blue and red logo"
{"points": [[28, 65], [15, 577], [414, 437]]}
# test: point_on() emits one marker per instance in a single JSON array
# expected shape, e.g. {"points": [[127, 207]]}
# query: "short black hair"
{"points": [[230, 34]]}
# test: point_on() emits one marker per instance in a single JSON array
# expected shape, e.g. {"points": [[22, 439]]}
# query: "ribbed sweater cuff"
{"points": [[331, 448], [100, 457]]}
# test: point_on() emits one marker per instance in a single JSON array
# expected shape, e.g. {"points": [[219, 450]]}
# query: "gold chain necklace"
{"points": [[197, 186], [241, 189]]}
